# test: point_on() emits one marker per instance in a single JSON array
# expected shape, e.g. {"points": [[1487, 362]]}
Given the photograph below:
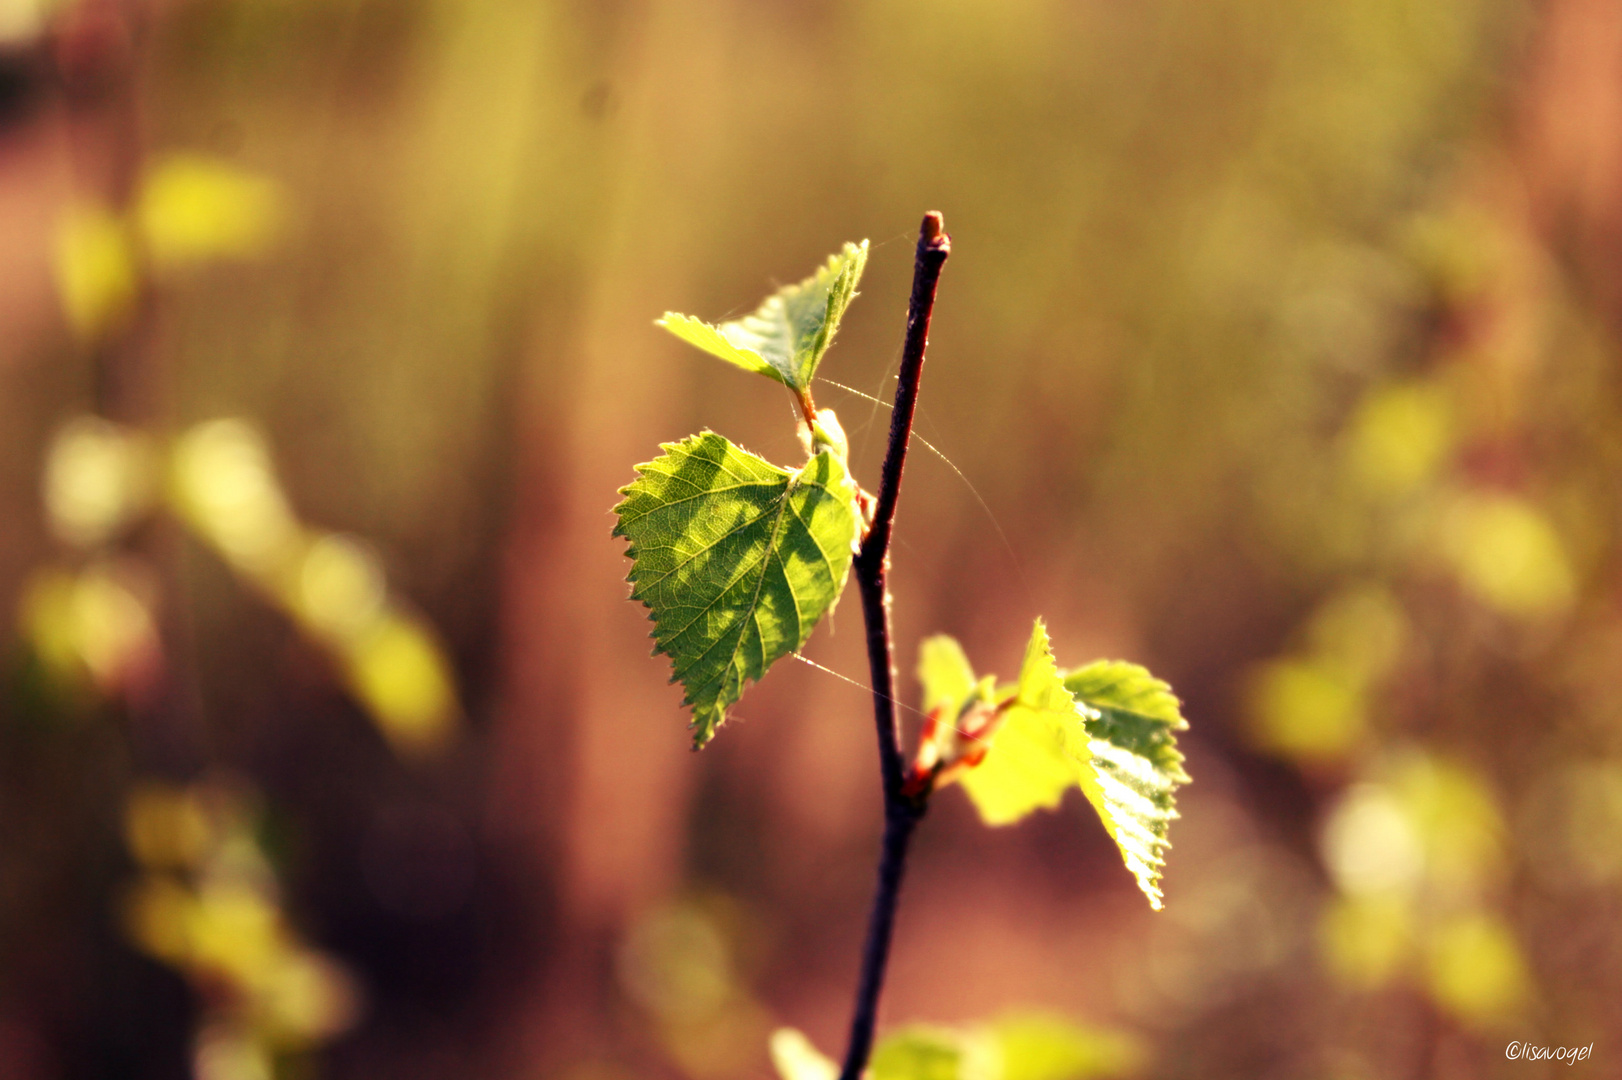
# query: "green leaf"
{"points": [[944, 671], [1025, 769], [796, 1059], [1049, 1048], [1106, 728], [736, 559], [1136, 711], [786, 337], [925, 1052], [1136, 766], [1028, 766]]}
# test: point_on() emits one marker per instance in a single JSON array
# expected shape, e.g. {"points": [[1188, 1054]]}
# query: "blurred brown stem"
{"points": [[901, 811]]}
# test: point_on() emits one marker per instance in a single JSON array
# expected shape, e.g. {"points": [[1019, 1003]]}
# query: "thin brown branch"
{"points": [[901, 812]]}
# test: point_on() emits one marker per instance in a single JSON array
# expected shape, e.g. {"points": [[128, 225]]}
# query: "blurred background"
{"points": [[1278, 352]]}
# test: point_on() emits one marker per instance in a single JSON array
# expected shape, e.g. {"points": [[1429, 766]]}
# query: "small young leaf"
{"points": [[736, 559], [1025, 769], [1106, 728], [945, 673], [786, 337], [1028, 766]]}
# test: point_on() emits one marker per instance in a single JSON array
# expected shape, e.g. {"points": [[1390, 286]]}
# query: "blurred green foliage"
{"points": [[1277, 324], [1014, 1047]]}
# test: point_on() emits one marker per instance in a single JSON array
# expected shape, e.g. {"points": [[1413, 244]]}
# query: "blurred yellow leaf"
{"points": [[305, 997], [99, 477], [1041, 1047], [157, 917], [1360, 629], [400, 674], [1371, 845], [166, 826], [1455, 816], [1306, 709], [1475, 970], [1507, 554], [47, 623], [1399, 438], [224, 485], [97, 622], [234, 930], [22, 21], [1366, 940], [193, 208], [1415, 852], [926, 1052], [226, 1052], [725, 1045], [97, 275], [218, 920], [1017, 1046], [341, 590], [676, 962]]}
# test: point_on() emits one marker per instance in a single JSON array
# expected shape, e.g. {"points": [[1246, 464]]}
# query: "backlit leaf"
{"points": [[736, 559], [1106, 728], [944, 671], [1027, 767], [785, 338], [1136, 767]]}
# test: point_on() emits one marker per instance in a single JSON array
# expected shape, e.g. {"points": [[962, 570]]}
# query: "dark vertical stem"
{"points": [[872, 564]]}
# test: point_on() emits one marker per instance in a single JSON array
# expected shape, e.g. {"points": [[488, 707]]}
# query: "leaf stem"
{"points": [[808, 408], [872, 564]]}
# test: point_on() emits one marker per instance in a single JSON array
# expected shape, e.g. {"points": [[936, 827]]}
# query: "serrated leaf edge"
{"points": [[848, 263], [702, 732]]}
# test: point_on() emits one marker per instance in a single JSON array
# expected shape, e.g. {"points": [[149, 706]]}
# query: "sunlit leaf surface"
{"points": [[1106, 728], [944, 671], [737, 561], [786, 337], [1135, 765]]}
